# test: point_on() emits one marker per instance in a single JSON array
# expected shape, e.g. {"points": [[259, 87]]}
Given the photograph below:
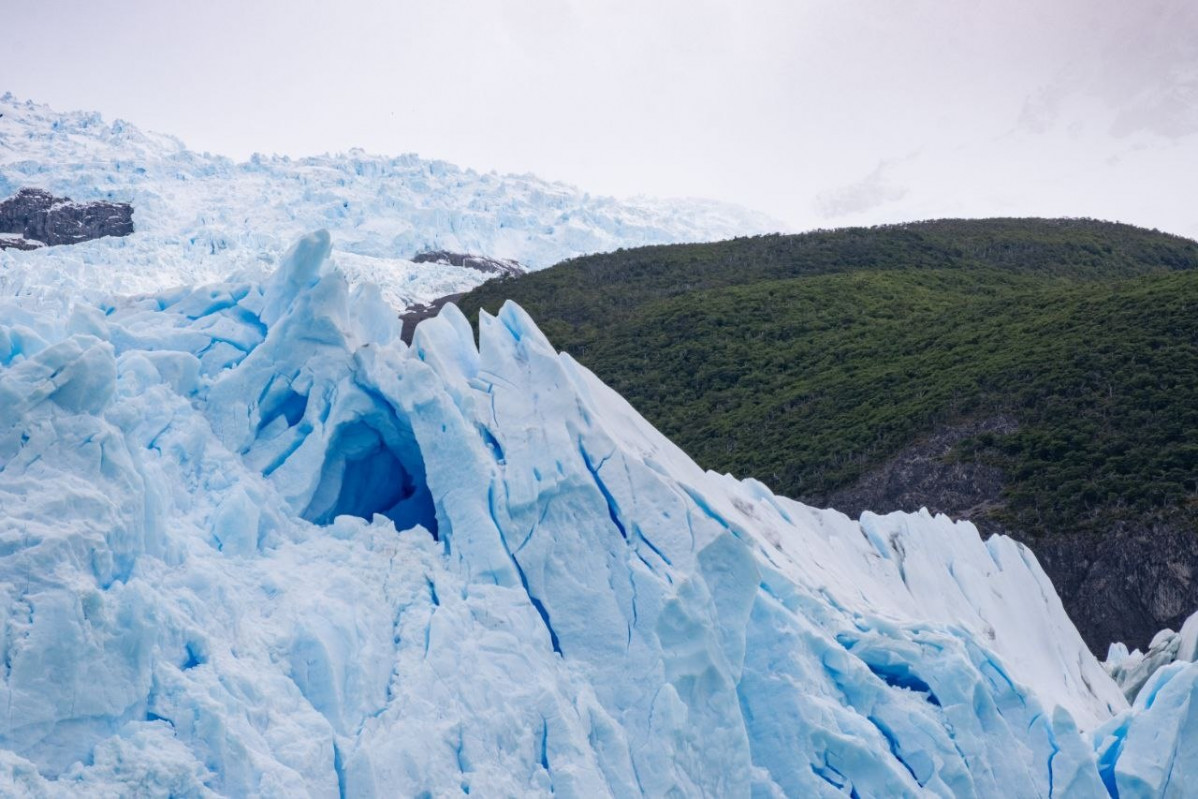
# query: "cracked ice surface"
{"points": [[199, 217], [252, 544]]}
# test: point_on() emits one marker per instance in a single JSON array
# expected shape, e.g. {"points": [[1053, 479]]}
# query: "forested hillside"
{"points": [[1038, 376]]}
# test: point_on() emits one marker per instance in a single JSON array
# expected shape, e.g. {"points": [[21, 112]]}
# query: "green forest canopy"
{"points": [[806, 360]]}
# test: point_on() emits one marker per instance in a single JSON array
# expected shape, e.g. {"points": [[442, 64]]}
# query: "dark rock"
{"points": [[37, 216], [482, 263], [1123, 583], [8, 242], [498, 267], [925, 475], [415, 314]]}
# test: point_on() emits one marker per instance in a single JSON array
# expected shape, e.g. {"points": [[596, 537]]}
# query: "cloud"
{"points": [[778, 105], [874, 190]]}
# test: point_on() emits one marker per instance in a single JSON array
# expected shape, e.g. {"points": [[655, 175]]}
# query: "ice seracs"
{"points": [[202, 217], [1132, 670], [254, 545]]}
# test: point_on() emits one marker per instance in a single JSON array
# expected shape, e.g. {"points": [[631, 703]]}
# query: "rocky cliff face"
{"points": [[1123, 584], [1135, 577], [36, 217], [925, 475]]}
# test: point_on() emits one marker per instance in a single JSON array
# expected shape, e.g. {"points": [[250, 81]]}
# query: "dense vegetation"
{"points": [[806, 360]]}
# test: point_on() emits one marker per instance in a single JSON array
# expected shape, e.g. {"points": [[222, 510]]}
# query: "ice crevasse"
{"points": [[251, 544]]}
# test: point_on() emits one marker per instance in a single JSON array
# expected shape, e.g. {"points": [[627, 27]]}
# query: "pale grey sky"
{"points": [[819, 112]]}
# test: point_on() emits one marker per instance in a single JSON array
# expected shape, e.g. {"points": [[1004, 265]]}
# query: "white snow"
{"points": [[200, 217], [253, 545]]}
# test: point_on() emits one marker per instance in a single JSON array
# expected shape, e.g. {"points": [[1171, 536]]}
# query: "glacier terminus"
{"points": [[252, 544]]}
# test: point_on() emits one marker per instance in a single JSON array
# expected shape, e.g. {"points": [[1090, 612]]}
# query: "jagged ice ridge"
{"points": [[251, 544]]}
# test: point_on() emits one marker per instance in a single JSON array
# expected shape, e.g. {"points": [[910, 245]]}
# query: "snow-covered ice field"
{"points": [[202, 217]]}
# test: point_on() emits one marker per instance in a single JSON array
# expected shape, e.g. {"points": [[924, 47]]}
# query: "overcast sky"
{"points": [[818, 112]]}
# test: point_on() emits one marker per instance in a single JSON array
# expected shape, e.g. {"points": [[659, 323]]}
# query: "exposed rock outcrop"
{"points": [[483, 263], [495, 267], [415, 314], [1124, 583], [35, 217], [15, 241], [925, 475]]}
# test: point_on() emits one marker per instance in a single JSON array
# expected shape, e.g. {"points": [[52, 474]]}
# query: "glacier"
{"points": [[252, 544], [1132, 670], [200, 217]]}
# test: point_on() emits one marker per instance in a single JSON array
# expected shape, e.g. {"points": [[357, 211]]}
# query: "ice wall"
{"points": [[251, 544]]}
